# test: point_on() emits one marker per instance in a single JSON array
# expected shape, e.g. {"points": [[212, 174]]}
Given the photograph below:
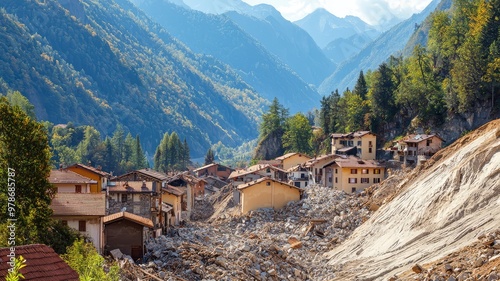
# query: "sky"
{"points": [[370, 11]]}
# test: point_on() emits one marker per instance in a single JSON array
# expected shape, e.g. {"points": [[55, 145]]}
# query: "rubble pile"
{"points": [[479, 261], [286, 244]]}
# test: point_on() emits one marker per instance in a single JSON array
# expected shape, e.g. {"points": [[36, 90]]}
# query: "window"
{"points": [[429, 142], [376, 171], [336, 180], [329, 179], [297, 184], [268, 170], [82, 226], [365, 180], [124, 198], [370, 144], [64, 222], [353, 180], [364, 171], [376, 180], [359, 143], [353, 190], [302, 176], [78, 189], [354, 171], [268, 183], [336, 171], [370, 150]]}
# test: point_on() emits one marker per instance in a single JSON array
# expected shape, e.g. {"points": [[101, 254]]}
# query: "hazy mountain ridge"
{"points": [[325, 27], [220, 37], [115, 69], [389, 43]]}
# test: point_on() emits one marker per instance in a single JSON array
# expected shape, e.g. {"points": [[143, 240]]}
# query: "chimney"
{"points": [[60, 167]]}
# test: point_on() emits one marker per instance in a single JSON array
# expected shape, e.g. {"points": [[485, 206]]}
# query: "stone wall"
{"points": [[138, 204]]}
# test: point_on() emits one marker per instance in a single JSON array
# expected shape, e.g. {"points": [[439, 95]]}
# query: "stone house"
{"points": [[353, 175], [136, 197], [267, 193], [362, 144]]}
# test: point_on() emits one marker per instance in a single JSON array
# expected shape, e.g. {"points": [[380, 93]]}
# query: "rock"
{"points": [[294, 243], [271, 272], [479, 262], [448, 267], [162, 274], [496, 244], [417, 268], [116, 253]]}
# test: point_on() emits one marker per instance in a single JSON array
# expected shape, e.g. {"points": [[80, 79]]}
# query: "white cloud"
{"points": [[371, 11]]}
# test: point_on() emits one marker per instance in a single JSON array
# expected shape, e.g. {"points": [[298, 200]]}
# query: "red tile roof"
{"points": [[67, 176], [355, 162], [159, 176], [42, 264], [356, 134], [127, 216], [79, 204]]}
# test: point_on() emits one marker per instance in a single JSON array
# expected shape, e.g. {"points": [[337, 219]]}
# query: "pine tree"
{"points": [[361, 88], [209, 157]]}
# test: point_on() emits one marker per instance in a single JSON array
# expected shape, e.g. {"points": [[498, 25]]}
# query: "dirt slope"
{"points": [[440, 208]]}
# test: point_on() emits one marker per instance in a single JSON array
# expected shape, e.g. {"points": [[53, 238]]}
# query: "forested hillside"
{"points": [[451, 86], [105, 63]]}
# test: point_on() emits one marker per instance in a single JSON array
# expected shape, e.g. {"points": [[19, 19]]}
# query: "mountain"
{"points": [[342, 49], [288, 42], [220, 37], [325, 27], [439, 208], [389, 43], [105, 63]]}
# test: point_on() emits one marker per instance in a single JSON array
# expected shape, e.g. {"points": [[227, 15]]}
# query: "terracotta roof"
{"points": [[79, 204], [42, 264], [288, 155], [205, 167], [159, 176], [419, 138], [130, 186], [127, 216], [355, 162], [67, 176], [252, 183], [174, 190], [315, 160], [356, 134], [253, 169], [272, 162], [91, 169]]}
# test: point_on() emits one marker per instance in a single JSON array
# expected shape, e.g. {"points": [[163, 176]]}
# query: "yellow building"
{"points": [[267, 193], [361, 143], [99, 176], [174, 197], [353, 175], [292, 159]]}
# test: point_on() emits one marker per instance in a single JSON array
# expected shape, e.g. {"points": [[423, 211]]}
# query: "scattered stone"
{"points": [[417, 268]]}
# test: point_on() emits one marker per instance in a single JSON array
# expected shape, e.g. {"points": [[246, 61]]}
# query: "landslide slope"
{"points": [[441, 207]]}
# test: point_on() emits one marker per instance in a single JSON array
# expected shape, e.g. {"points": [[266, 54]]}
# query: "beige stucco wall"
{"points": [[71, 187], [260, 195], [365, 145], [294, 160], [343, 175], [175, 201]]}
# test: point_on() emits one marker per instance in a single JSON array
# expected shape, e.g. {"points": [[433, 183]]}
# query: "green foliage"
{"points": [[25, 160], [15, 274], [209, 157], [89, 265], [272, 128], [15, 98], [60, 236], [298, 134], [171, 154]]}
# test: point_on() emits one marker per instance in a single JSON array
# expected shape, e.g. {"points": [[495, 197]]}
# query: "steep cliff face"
{"points": [[441, 207]]}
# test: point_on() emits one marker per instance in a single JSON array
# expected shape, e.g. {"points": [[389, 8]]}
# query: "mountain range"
{"points": [[205, 69]]}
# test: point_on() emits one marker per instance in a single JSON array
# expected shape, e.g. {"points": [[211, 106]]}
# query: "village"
{"points": [[145, 216]]}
